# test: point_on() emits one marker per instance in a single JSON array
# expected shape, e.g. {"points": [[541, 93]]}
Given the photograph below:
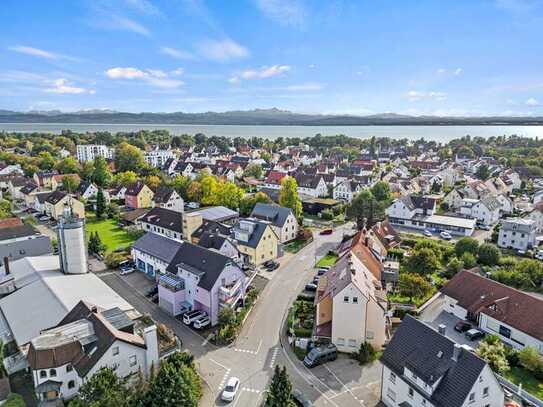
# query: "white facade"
{"points": [[477, 209], [175, 203], [512, 336], [321, 190], [517, 234], [88, 152], [157, 157]]}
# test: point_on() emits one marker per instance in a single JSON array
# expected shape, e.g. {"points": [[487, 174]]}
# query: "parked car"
{"points": [[474, 334], [320, 355], [311, 287], [300, 399], [462, 326], [155, 299], [230, 390], [427, 233], [152, 292], [271, 265], [539, 255], [326, 232], [201, 322], [193, 205], [127, 270], [321, 271], [191, 316], [316, 280], [445, 235]]}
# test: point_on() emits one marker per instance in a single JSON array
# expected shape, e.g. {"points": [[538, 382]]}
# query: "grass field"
{"points": [[529, 382], [328, 260], [112, 236]]}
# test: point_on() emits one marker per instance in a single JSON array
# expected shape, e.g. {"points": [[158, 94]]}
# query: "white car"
{"points": [[445, 235], [191, 316], [427, 233], [201, 322], [230, 390], [539, 255]]}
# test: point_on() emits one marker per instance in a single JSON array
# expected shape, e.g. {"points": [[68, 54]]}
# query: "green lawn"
{"points": [[296, 245], [529, 382], [112, 236], [328, 260]]}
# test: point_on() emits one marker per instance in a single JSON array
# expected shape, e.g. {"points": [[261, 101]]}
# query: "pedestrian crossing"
{"points": [[224, 378], [251, 352], [249, 390], [275, 352]]}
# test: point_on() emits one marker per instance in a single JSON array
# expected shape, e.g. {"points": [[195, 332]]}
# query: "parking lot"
{"points": [[450, 321]]}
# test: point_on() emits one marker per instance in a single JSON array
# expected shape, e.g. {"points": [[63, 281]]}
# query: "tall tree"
{"points": [[68, 165], [365, 209], [288, 196], [100, 204], [483, 172], [209, 186], [229, 195], [70, 183], [103, 389], [413, 285], [101, 175], [125, 178], [381, 191], [46, 161], [253, 170], [129, 158], [280, 392], [422, 261]]}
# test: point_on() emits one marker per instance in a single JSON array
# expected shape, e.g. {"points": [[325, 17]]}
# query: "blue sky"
{"points": [[461, 57]]}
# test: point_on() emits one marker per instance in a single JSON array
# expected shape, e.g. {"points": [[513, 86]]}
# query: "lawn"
{"points": [[328, 260], [296, 245], [529, 382], [112, 236]]}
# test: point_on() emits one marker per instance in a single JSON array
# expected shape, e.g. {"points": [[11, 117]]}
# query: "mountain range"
{"points": [[262, 117]]}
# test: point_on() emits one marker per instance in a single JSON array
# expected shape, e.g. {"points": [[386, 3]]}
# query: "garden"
{"points": [[327, 261], [230, 320], [112, 236], [300, 321]]}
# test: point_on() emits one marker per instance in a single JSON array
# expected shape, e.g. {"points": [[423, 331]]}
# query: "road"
{"points": [[259, 348]]}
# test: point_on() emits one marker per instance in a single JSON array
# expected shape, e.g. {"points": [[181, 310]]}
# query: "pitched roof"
{"points": [[163, 194], [275, 214], [259, 227], [28, 188], [10, 222], [275, 177], [200, 261], [308, 181], [18, 181], [157, 246], [164, 218], [479, 294], [361, 249], [428, 354], [17, 231], [210, 226], [55, 197], [134, 188]]}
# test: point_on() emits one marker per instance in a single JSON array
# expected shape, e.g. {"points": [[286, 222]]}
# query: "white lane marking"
{"points": [[348, 390], [273, 357], [206, 341], [224, 378], [251, 390], [250, 351], [217, 363]]}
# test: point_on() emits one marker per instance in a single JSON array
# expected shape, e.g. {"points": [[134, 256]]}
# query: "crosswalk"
{"points": [[275, 352], [249, 390], [251, 352], [224, 378]]}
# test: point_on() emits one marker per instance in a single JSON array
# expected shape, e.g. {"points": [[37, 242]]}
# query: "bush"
{"points": [[327, 214], [113, 259], [466, 245], [488, 255], [396, 253], [15, 400], [365, 354], [532, 361], [303, 332], [469, 260]]}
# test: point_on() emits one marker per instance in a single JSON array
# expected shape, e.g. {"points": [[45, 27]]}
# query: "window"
{"points": [[472, 397], [410, 393], [132, 360], [485, 392], [355, 300], [69, 368], [52, 372], [391, 394], [71, 384], [392, 377], [346, 299], [43, 373], [504, 331], [341, 341], [352, 343], [115, 351]]}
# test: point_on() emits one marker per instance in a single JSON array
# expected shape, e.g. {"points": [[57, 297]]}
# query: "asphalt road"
{"points": [[258, 349]]}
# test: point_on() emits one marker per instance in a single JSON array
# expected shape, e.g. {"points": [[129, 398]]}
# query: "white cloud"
{"points": [[458, 71], [127, 24], [234, 80], [222, 50], [305, 87], [177, 53], [144, 7], [454, 72], [532, 102], [441, 71], [62, 86], [40, 53], [518, 6], [177, 72], [261, 73], [415, 96], [154, 77], [285, 12]]}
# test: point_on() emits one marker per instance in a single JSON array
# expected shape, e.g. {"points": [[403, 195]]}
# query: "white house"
{"points": [[282, 219], [422, 368], [517, 233], [88, 152], [346, 190], [486, 210], [454, 199], [312, 185], [89, 338], [8, 169], [158, 157], [513, 315], [87, 190], [537, 216], [168, 198], [506, 205], [153, 253]]}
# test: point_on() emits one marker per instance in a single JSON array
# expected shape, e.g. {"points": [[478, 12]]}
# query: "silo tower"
{"points": [[71, 243]]}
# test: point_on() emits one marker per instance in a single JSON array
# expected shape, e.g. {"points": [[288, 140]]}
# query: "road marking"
{"points": [[250, 351], [217, 363], [206, 341], [273, 357], [224, 378], [348, 390], [251, 390]]}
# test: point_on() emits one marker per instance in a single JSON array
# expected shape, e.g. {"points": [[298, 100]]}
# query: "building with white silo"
{"points": [[71, 244]]}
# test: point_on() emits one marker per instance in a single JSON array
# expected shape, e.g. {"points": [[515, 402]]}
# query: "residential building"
{"points": [[27, 193], [536, 214], [44, 179], [8, 169], [57, 181], [346, 190], [220, 214], [171, 224], [168, 198], [282, 219], [312, 185], [56, 201], [513, 315], [153, 253], [158, 157], [87, 190], [15, 185], [87, 339], [138, 195], [422, 368], [485, 211], [351, 307], [517, 233], [417, 212], [257, 240], [88, 152]]}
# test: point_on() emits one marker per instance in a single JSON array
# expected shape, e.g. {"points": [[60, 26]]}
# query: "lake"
{"points": [[437, 133]]}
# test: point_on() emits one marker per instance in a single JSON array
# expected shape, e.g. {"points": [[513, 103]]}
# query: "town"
{"points": [[142, 267]]}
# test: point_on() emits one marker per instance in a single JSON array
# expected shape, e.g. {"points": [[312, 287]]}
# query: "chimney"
{"points": [[6, 265], [441, 329], [456, 352]]}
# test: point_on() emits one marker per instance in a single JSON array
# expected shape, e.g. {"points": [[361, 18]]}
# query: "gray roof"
{"points": [[428, 354], [37, 246], [164, 218], [258, 231], [518, 224], [16, 232], [218, 213], [491, 203], [276, 214], [157, 246]]}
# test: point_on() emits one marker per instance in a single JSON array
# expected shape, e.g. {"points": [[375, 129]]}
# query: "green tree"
{"points": [[494, 352], [280, 392], [125, 178], [488, 254], [14, 400], [103, 389], [381, 191], [95, 244], [366, 353], [454, 266], [101, 175], [288, 196], [46, 161], [87, 171], [413, 285], [253, 170], [483, 172], [68, 165], [530, 358], [209, 187], [194, 191], [365, 209], [176, 384], [129, 158], [100, 204], [422, 261], [266, 156], [248, 202], [70, 183], [469, 260], [181, 184], [229, 195], [466, 244], [5, 209]]}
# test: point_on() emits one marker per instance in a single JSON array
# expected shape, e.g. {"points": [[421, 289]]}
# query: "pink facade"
{"points": [[131, 201]]}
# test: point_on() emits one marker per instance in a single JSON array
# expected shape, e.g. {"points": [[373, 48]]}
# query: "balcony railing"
{"points": [[229, 295]]}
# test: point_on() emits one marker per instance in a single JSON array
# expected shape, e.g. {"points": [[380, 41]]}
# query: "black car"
{"points": [[271, 265], [474, 334], [462, 326], [152, 292], [311, 287]]}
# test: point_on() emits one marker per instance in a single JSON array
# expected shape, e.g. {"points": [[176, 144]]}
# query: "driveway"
{"points": [[449, 320]]}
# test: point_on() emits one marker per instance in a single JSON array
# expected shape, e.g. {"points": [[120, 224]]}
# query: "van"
{"points": [[320, 355]]}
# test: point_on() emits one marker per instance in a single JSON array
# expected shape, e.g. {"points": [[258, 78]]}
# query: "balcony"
{"points": [[229, 295], [172, 282]]}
